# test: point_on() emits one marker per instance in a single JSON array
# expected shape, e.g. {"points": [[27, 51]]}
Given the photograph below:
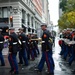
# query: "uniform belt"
{"points": [[47, 50], [1, 42], [23, 41], [14, 43], [43, 42], [28, 42]]}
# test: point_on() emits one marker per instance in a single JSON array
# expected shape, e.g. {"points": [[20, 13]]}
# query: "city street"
{"points": [[61, 66]]}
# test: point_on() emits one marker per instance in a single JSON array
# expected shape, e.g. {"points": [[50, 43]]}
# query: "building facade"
{"points": [[22, 13], [45, 13], [38, 11]]}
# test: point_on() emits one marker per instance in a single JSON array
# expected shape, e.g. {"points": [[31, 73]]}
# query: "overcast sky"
{"points": [[54, 11]]}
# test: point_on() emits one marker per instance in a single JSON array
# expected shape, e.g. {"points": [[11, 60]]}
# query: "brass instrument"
{"points": [[38, 39]]}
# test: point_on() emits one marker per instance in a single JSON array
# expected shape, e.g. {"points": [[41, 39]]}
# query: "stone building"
{"points": [[22, 13]]}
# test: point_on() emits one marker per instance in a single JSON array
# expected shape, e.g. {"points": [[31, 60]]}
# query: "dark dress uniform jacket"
{"points": [[13, 43], [23, 38], [46, 44], [30, 44], [1, 42]]}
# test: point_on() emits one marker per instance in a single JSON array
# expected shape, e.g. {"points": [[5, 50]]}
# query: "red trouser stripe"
{"points": [[12, 62], [48, 64]]}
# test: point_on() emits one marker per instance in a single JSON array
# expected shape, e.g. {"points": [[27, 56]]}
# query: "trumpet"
{"points": [[38, 39]]}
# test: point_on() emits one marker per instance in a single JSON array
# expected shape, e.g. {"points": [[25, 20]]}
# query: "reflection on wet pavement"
{"points": [[56, 55], [61, 66]]}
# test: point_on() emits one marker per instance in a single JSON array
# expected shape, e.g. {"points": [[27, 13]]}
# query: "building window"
{"points": [[43, 5], [0, 13], [23, 16], [4, 12], [27, 1], [28, 20], [32, 21]]}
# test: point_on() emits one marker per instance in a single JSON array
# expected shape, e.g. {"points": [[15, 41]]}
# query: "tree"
{"points": [[63, 4], [70, 5], [67, 5], [67, 20]]}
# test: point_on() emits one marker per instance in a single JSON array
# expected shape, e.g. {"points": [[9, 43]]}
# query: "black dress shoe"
{"points": [[73, 71], [20, 63], [49, 73], [37, 70], [15, 72], [11, 71], [32, 59], [2, 64], [64, 58], [69, 64], [25, 65]]}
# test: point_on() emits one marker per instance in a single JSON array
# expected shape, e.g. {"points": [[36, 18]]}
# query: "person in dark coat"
{"points": [[1, 48]]}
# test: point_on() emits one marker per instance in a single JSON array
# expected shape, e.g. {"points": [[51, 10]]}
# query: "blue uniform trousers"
{"points": [[37, 49], [13, 62], [35, 52], [62, 49], [1, 58], [28, 54], [72, 58], [32, 54], [46, 56], [23, 57], [66, 51], [20, 57]]}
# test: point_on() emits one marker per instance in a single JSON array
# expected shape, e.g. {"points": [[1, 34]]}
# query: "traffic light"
{"points": [[11, 21], [11, 18]]}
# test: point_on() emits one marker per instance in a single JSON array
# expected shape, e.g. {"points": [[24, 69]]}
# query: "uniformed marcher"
{"points": [[46, 51], [36, 49], [23, 52], [72, 55], [13, 49], [67, 47], [1, 48], [30, 48]]}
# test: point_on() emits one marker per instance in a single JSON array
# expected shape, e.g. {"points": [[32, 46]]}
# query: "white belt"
{"points": [[23, 41], [28, 42], [14, 43], [1, 42], [31, 42], [43, 41]]}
